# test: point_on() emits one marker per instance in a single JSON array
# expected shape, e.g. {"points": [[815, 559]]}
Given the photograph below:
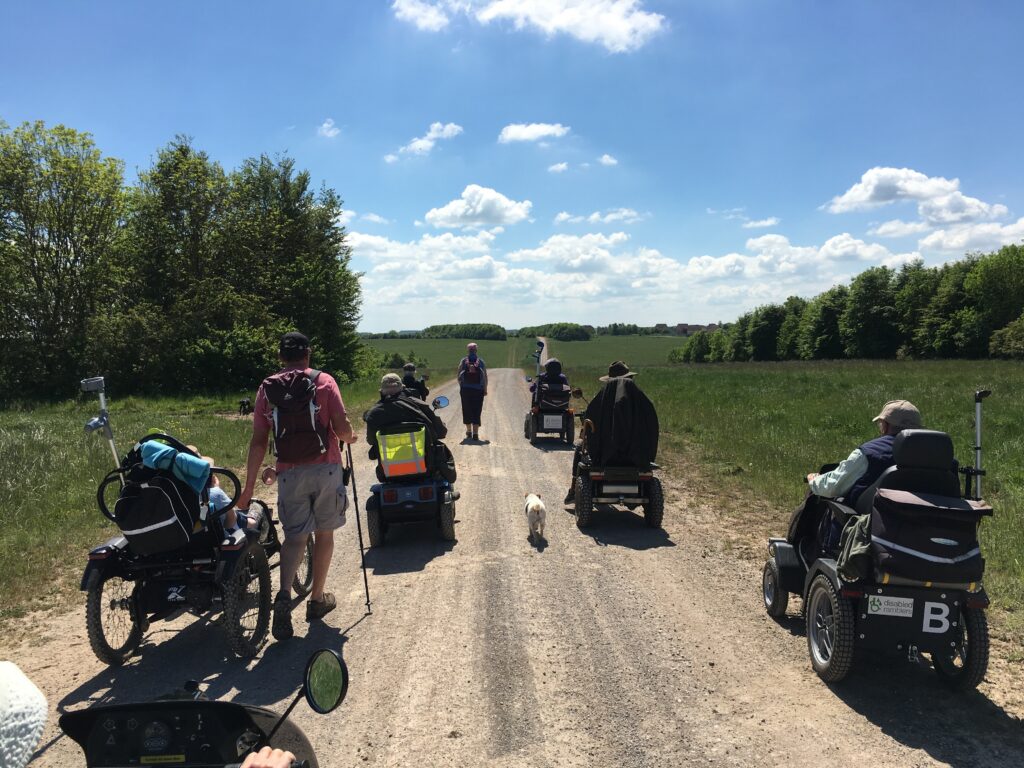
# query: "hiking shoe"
{"points": [[570, 497], [282, 625], [317, 609], [469, 433]]}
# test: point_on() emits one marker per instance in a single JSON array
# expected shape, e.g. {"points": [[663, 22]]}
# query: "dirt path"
{"points": [[619, 647]]}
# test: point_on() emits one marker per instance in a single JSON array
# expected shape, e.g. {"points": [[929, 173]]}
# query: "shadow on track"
{"points": [[611, 527], [552, 445], [408, 547]]}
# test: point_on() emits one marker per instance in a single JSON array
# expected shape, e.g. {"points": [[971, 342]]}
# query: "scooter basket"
{"points": [[926, 537]]}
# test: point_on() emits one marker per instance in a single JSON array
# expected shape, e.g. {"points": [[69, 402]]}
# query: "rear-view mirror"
{"points": [[440, 402], [326, 681]]}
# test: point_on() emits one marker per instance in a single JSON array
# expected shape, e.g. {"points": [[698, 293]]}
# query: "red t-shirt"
{"points": [[328, 400]]}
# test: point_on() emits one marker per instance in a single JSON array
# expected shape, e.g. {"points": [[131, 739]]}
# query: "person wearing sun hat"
{"points": [[625, 425]]}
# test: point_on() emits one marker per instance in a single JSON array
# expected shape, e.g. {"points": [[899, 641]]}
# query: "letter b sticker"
{"points": [[936, 618]]}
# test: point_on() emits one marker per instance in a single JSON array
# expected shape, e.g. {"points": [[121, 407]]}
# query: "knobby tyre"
{"points": [[448, 519], [374, 525], [303, 582], [964, 670], [830, 631], [654, 510], [112, 621], [247, 603], [776, 599], [584, 502]]}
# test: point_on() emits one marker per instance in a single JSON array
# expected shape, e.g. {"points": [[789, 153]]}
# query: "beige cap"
{"points": [[390, 384], [902, 414]]}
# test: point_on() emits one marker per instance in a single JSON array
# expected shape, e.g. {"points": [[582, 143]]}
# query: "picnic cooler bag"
{"points": [[155, 511], [927, 537]]}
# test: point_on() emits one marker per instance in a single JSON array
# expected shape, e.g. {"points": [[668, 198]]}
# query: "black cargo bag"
{"points": [[155, 511], [927, 537]]}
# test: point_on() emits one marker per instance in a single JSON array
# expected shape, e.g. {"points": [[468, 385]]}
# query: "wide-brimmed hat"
{"points": [[901, 414], [617, 370], [390, 384]]}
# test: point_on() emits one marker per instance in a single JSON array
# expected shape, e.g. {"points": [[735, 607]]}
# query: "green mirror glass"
{"points": [[326, 681]]}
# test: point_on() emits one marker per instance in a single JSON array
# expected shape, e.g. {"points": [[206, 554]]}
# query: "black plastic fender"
{"points": [[791, 569], [230, 556], [825, 566], [102, 559]]}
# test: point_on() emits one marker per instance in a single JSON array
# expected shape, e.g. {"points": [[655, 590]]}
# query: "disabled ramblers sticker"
{"points": [[882, 605]]}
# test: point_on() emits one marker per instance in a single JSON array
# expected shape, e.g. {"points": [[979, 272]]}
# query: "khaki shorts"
{"points": [[308, 499]]}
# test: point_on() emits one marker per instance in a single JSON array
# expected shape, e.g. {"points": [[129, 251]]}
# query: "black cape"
{"points": [[625, 425]]}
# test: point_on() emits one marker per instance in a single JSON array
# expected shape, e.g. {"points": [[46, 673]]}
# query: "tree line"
{"points": [[182, 281], [970, 308]]}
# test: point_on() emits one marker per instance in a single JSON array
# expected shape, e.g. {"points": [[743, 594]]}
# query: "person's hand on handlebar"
{"points": [[269, 758], [811, 477]]}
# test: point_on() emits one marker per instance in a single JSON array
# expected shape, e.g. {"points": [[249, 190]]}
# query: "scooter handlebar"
{"points": [[295, 764]]}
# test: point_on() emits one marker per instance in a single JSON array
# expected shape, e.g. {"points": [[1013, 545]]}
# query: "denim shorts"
{"points": [[308, 499]]}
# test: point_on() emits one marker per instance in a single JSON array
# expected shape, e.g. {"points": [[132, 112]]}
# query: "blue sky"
{"points": [[523, 161]]}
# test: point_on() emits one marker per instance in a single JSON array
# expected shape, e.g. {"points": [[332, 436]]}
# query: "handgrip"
{"points": [[295, 764]]}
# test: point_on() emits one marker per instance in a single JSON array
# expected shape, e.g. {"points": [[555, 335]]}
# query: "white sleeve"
{"points": [[836, 483]]}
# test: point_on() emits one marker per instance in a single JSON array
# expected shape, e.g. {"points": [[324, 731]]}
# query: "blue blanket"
{"points": [[188, 468]]}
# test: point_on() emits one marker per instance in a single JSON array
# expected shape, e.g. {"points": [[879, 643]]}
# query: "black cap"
{"points": [[293, 341], [409, 367]]}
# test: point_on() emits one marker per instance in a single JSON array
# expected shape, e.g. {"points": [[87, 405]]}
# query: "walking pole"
{"points": [[359, 527]]}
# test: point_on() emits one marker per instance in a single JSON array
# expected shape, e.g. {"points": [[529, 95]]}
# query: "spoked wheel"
{"points": [[654, 510], [448, 519], [584, 502], [112, 620], [965, 668], [830, 631], [304, 576], [247, 603], [776, 599]]}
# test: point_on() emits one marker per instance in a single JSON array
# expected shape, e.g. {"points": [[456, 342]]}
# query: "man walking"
{"points": [[303, 410]]}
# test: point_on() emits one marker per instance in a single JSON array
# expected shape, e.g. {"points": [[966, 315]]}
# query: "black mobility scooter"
{"points": [[172, 554], [415, 481], [907, 575], [620, 468], [550, 412]]}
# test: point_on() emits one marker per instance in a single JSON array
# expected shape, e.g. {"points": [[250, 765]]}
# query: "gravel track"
{"points": [[620, 646]]}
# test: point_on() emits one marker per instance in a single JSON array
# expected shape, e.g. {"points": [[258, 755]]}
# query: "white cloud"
{"points": [[531, 132], [424, 144], [345, 218], [898, 228], [974, 237], [622, 215], [618, 25], [374, 218], [327, 129], [558, 168], [939, 200], [479, 207], [426, 16], [575, 253], [607, 160], [771, 221]]}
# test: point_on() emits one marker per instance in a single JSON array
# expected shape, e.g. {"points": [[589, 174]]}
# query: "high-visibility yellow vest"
{"points": [[403, 453]]}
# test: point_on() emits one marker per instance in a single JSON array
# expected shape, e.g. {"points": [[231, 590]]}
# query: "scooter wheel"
{"points": [[375, 529], [964, 670], [111, 620], [776, 599], [830, 630], [584, 502], [654, 510]]}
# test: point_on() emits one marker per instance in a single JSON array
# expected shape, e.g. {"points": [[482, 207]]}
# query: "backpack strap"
{"points": [[313, 375]]}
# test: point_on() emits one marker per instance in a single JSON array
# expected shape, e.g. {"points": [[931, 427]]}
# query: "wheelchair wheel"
{"points": [[584, 502], [776, 599], [375, 527], [112, 621], [965, 669], [830, 631], [448, 519], [654, 510], [304, 576], [247, 603]]}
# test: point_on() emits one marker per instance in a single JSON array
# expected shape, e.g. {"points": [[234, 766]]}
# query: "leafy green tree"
{"points": [[913, 286], [61, 204], [940, 333], [738, 346], [763, 333], [995, 289], [868, 324], [1009, 341], [789, 330], [718, 345], [819, 337]]}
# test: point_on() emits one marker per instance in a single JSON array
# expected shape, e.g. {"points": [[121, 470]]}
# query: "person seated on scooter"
{"points": [[396, 406], [415, 387], [552, 378], [852, 476], [625, 426]]}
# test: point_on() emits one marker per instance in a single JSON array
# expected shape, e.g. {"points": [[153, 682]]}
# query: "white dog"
{"points": [[536, 514]]}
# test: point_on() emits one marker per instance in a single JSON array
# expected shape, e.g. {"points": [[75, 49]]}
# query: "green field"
{"points": [[638, 351], [51, 468], [443, 355]]}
